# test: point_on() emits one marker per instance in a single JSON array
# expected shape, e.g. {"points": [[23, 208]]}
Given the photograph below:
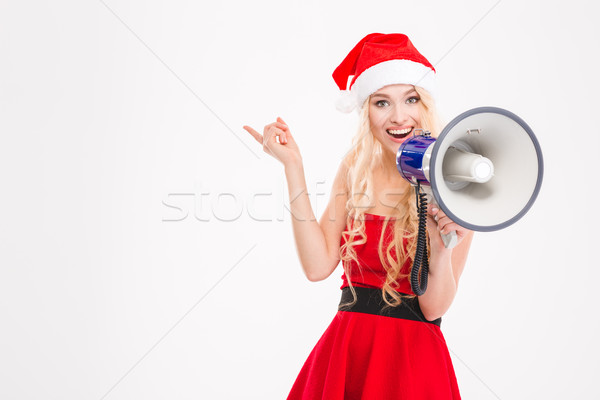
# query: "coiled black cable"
{"points": [[421, 261]]}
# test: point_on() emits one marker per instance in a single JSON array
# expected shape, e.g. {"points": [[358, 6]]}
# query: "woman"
{"points": [[384, 342]]}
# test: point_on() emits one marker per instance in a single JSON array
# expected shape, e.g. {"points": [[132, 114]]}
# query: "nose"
{"points": [[398, 114]]}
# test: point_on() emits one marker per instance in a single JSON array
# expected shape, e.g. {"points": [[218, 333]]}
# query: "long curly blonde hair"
{"points": [[365, 156]]}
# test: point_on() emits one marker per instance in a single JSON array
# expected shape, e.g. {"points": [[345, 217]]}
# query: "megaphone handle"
{"points": [[450, 239]]}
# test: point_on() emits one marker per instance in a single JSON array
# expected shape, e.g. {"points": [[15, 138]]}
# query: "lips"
{"points": [[399, 133]]}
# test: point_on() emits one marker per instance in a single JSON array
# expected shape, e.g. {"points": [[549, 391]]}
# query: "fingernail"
{"points": [[434, 209]]}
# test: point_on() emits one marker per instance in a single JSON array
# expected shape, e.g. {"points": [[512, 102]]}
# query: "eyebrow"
{"points": [[387, 97]]}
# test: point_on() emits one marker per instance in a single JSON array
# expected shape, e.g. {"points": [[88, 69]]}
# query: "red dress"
{"points": [[364, 356]]}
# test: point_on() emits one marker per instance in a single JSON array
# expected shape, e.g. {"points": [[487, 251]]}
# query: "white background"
{"points": [[133, 262]]}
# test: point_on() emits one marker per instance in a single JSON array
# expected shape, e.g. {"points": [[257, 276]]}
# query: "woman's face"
{"points": [[394, 115]]}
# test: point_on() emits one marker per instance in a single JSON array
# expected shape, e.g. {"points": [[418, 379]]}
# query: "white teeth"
{"points": [[399, 132]]}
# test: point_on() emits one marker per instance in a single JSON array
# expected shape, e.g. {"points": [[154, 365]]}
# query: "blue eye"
{"points": [[412, 100], [380, 103]]}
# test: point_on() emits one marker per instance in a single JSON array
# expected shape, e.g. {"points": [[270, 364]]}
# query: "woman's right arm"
{"points": [[317, 243]]}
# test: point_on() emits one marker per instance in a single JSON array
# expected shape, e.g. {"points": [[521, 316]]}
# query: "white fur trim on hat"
{"points": [[346, 101], [393, 72]]}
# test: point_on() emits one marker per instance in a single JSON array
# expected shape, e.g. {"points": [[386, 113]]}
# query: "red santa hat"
{"points": [[379, 60]]}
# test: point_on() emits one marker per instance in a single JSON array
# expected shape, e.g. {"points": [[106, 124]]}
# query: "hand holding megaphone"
{"points": [[439, 225]]}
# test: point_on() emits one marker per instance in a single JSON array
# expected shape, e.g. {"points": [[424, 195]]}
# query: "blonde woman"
{"points": [[384, 342]]}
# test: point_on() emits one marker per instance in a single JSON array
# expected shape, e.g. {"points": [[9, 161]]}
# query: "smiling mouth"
{"points": [[399, 134]]}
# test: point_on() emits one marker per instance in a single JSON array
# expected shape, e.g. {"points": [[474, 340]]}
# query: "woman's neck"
{"points": [[388, 170], [389, 190]]}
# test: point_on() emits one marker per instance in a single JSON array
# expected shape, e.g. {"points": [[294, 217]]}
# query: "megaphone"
{"points": [[484, 170]]}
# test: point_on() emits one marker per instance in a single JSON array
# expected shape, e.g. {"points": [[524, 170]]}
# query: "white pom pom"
{"points": [[346, 101]]}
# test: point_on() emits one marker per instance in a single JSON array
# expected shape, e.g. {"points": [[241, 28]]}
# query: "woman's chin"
{"points": [[390, 148], [393, 148]]}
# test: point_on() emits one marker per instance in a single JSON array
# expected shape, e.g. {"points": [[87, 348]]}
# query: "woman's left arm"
{"points": [[445, 265]]}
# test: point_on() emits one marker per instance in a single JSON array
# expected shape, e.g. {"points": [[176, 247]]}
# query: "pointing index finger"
{"points": [[254, 133]]}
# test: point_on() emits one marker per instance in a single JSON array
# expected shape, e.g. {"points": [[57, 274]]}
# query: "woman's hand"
{"points": [[285, 150], [439, 223]]}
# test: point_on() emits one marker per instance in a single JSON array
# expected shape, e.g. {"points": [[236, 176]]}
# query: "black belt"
{"points": [[370, 301]]}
